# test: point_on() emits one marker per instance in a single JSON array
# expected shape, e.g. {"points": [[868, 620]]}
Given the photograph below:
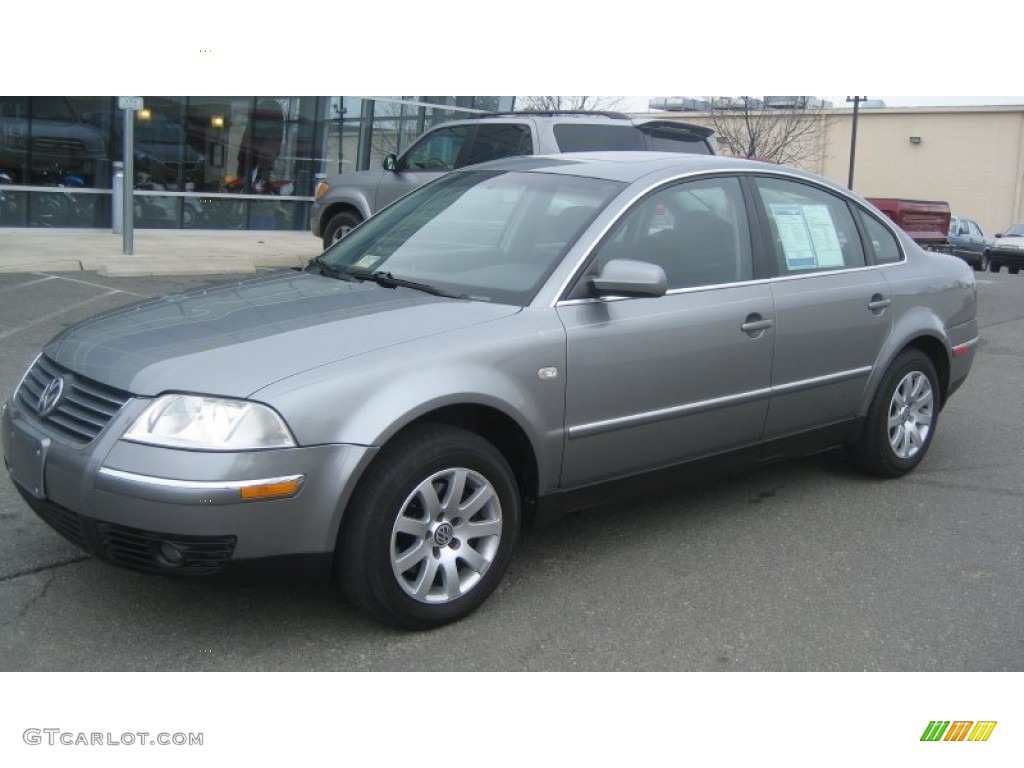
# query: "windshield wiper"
{"points": [[326, 268], [387, 280]]}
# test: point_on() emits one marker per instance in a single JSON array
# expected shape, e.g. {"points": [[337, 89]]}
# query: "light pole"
{"points": [[853, 135]]}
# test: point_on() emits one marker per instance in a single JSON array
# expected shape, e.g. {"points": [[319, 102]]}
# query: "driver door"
{"points": [[436, 153]]}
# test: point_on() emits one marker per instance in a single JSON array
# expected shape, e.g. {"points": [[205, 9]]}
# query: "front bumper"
{"points": [[316, 213], [136, 505], [1005, 257]]}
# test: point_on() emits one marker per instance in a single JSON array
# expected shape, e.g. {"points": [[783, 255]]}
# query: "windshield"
{"points": [[1016, 229], [487, 235]]}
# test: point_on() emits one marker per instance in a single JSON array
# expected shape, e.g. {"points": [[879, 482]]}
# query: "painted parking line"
{"points": [[94, 285], [51, 315], [25, 284]]}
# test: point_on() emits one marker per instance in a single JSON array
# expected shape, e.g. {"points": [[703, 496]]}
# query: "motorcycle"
{"points": [[9, 209], [55, 209]]}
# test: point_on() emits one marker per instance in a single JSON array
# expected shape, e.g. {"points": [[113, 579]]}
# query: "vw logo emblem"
{"points": [[50, 397], [444, 534]]}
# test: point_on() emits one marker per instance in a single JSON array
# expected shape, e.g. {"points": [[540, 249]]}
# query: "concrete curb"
{"points": [[156, 252]]}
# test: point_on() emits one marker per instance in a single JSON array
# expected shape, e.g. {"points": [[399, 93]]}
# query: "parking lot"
{"points": [[806, 565]]}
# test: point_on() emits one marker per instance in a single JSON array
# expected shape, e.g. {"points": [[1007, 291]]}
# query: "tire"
{"points": [[340, 225], [407, 554], [982, 262], [993, 266], [902, 417], [1014, 270]]}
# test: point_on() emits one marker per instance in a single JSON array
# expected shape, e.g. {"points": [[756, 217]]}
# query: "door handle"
{"points": [[755, 325], [878, 304]]}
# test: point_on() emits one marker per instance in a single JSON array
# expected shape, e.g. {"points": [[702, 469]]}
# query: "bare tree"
{"points": [[789, 130], [569, 103]]}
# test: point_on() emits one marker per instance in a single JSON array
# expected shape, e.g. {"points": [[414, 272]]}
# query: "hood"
{"points": [[1011, 241], [235, 338]]}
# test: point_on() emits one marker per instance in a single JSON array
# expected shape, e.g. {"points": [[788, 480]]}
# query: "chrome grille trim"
{"points": [[84, 410]]}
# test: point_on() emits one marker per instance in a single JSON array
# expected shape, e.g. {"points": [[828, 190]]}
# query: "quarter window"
{"points": [[696, 231], [883, 242], [812, 230]]}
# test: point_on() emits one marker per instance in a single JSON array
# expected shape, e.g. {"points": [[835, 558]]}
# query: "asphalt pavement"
{"points": [[806, 565]]}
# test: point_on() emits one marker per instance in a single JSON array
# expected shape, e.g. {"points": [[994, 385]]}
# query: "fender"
{"points": [[367, 399]]}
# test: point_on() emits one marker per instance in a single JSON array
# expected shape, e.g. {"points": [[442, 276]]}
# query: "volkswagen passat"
{"points": [[511, 341]]}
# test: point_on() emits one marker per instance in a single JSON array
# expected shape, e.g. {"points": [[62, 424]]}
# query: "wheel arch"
{"points": [[345, 206], [498, 428]]}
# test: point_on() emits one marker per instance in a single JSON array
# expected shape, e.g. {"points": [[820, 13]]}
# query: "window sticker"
{"points": [[808, 235], [366, 262]]}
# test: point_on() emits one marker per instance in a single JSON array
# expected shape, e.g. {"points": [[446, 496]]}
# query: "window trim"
{"points": [[746, 176], [580, 271]]}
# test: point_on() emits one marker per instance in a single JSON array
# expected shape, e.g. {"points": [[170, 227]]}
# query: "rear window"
{"points": [[597, 138], [677, 141], [601, 138]]}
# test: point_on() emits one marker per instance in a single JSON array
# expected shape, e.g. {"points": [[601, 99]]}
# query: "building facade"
{"points": [[200, 162], [970, 157]]}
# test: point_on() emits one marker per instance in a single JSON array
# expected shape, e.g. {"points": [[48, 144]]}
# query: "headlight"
{"points": [[210, 424]]}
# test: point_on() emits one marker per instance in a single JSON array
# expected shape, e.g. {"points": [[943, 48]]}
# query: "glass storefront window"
{"points": [[201, 161]]}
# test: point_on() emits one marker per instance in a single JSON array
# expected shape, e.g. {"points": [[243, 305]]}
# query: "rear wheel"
{"points": [[901, 420], [340, 225], [431, 528], [993, 267]]}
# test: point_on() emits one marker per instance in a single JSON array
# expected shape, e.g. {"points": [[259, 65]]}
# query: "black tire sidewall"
{"points": [[365, 570], [337, 221], [873, 452]]}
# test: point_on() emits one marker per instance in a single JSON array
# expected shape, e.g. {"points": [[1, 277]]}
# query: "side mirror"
{"points": [[999, 234], [391, 162], [625, 277]]}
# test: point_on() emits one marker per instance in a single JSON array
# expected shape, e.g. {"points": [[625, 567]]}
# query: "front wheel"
{"points": [[430, 529], [901, 420], [340, 224], [983, 262]]}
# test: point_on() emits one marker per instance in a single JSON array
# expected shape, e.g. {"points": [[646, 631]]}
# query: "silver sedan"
{"points": [[507, 343]]}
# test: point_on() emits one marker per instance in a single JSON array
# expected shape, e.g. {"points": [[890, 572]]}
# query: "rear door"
{"points": [[832, 307]]}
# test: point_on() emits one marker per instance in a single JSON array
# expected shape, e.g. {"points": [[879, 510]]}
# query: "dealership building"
{"points": [[252, 162], [970, 157], [204, 162]]}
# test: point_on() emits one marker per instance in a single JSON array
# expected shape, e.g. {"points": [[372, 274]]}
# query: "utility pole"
{"points": [[853, 135]]}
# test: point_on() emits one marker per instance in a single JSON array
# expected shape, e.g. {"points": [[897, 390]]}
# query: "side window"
{"points": [[883, 242], [495, 141], [436, 151], [974, 229], [813, 230], [696, 231]]}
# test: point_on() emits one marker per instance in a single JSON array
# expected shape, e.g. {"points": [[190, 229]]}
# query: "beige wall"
{"points": [[971, 157]]}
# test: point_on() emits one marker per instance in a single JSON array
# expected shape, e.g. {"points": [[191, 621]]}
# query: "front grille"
{"points": [[135, 548], [84, 409], [56, 144]]}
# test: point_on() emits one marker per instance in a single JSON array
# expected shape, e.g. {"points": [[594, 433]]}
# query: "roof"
{"points": [[627, 166]]}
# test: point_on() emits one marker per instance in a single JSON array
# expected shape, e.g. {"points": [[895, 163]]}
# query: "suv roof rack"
{"points": [[556, 112]]}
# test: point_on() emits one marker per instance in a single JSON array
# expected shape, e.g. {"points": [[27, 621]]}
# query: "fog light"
{"points": [[170, 554]]}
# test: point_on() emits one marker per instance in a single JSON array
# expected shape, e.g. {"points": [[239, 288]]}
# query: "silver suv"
{"points": [[345, 200]]}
